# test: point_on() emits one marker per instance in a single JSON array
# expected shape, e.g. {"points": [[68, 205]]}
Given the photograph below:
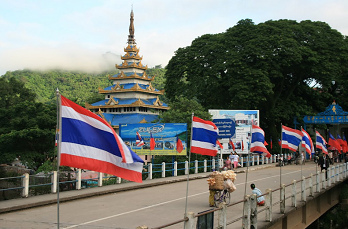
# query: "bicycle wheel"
{"points": [[227, 197], [217, 196]]}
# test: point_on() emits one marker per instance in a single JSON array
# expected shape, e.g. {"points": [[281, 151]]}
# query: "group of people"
{"points": [[232, 161]]}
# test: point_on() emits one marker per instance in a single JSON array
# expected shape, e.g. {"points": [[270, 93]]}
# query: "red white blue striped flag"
{"points": [[89, 142], [307, 143], [204, 137], [257, 141], [291, 138], [320, 142]]}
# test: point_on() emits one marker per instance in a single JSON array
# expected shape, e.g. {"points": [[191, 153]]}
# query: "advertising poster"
{"points": [[237, 127], [164, 134]]}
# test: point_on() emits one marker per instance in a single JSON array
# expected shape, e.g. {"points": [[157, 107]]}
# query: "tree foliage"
{"points": [[26, 127], [270, 67]]}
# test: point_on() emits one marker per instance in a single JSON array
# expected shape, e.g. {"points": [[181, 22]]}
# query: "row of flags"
{"points": [[291, 139], [87, 141], [140, 142]]}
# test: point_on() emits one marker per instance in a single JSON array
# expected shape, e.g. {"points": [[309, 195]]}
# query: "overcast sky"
{"points": [[91, 34]]}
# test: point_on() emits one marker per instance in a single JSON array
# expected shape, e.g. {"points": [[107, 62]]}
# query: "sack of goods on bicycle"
{"points": [[221, 184]]}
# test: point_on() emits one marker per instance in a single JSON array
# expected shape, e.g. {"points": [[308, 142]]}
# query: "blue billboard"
{"points": [[227, 127], [165, 135]]}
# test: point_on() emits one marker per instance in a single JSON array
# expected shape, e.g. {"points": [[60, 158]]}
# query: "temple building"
{"points": [[131, 98]]}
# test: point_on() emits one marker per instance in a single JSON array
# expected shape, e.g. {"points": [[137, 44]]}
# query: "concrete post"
{"points": [[175, 168], [222, 221], [241, 162], [303, 189], [263, 159], [253, 211], [196, 166], [337, 172], [268, 203], [190, 224], [100, 179], [118, 180], [317, 182], [282, 199], [323, 179], [205, 165], [293, 194], [258, 159], [54, 182], [186, 168], [163, 169], [150, 171], [329, 171], [78, 178], [246, 213], [213, 164], [310, 185], [253, 160], [25, 185]]}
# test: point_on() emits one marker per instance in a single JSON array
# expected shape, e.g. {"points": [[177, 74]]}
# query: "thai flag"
{"points": [[332, 142], [89, 142], [307, 143], [320, 142], [291, 138], [179, 146], [220, 145], [204, 136], [345, 148], [231, 143], [139, 141], [152, 142], [257, 141]]}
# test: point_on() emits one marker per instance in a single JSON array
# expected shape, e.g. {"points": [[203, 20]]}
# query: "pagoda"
{"points": [[131, 98]]}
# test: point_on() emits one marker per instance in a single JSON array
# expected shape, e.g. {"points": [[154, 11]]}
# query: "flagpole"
{"points": [[281, 151], [247, 161], [188, 173], [301, 154], [317, 163], [59, 124]]}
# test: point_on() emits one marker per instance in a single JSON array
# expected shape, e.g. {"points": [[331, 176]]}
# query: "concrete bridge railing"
{"points": [[315, 184]]}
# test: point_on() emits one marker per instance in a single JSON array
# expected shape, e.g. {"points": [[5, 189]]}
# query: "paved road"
{"points": [[153, 206]]}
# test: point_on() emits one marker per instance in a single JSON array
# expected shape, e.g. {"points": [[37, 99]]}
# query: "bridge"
{"points": [[304, 196]]}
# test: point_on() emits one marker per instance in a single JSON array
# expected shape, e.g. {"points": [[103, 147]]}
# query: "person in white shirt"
{"points": [[235, 160], [231, 156]]}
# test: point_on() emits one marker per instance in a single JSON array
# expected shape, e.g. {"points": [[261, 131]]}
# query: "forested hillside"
{"points": [[77, 86]]}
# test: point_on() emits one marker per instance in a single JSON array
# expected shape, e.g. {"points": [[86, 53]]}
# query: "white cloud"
{"points": [[77, 34]]}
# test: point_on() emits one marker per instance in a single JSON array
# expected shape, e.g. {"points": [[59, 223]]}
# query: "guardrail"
{"points": [[249, 217], [32, 185]]}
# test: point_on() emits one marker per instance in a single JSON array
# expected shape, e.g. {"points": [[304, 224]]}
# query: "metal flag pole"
{"points": [[281, 151], [317, 162], [188, 172], [247, 161], [59, 125], [300, 150]]}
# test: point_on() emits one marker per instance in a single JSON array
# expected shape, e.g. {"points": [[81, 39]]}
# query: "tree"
{"points": [[269, 67], [26, 127], [180, 111]]}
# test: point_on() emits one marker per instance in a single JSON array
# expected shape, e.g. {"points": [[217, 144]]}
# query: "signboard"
{"points": [[165, 135], [243, 119], [227, 127], [325, 119]]}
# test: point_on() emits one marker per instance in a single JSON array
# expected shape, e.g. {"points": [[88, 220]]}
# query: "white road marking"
{"points": [[162, 203]]}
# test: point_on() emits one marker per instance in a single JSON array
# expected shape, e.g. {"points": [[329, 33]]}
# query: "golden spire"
{"points": [[131, 39]]}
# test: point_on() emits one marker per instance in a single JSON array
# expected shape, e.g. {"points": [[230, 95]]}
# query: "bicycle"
{"points": [[222, 196]]}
